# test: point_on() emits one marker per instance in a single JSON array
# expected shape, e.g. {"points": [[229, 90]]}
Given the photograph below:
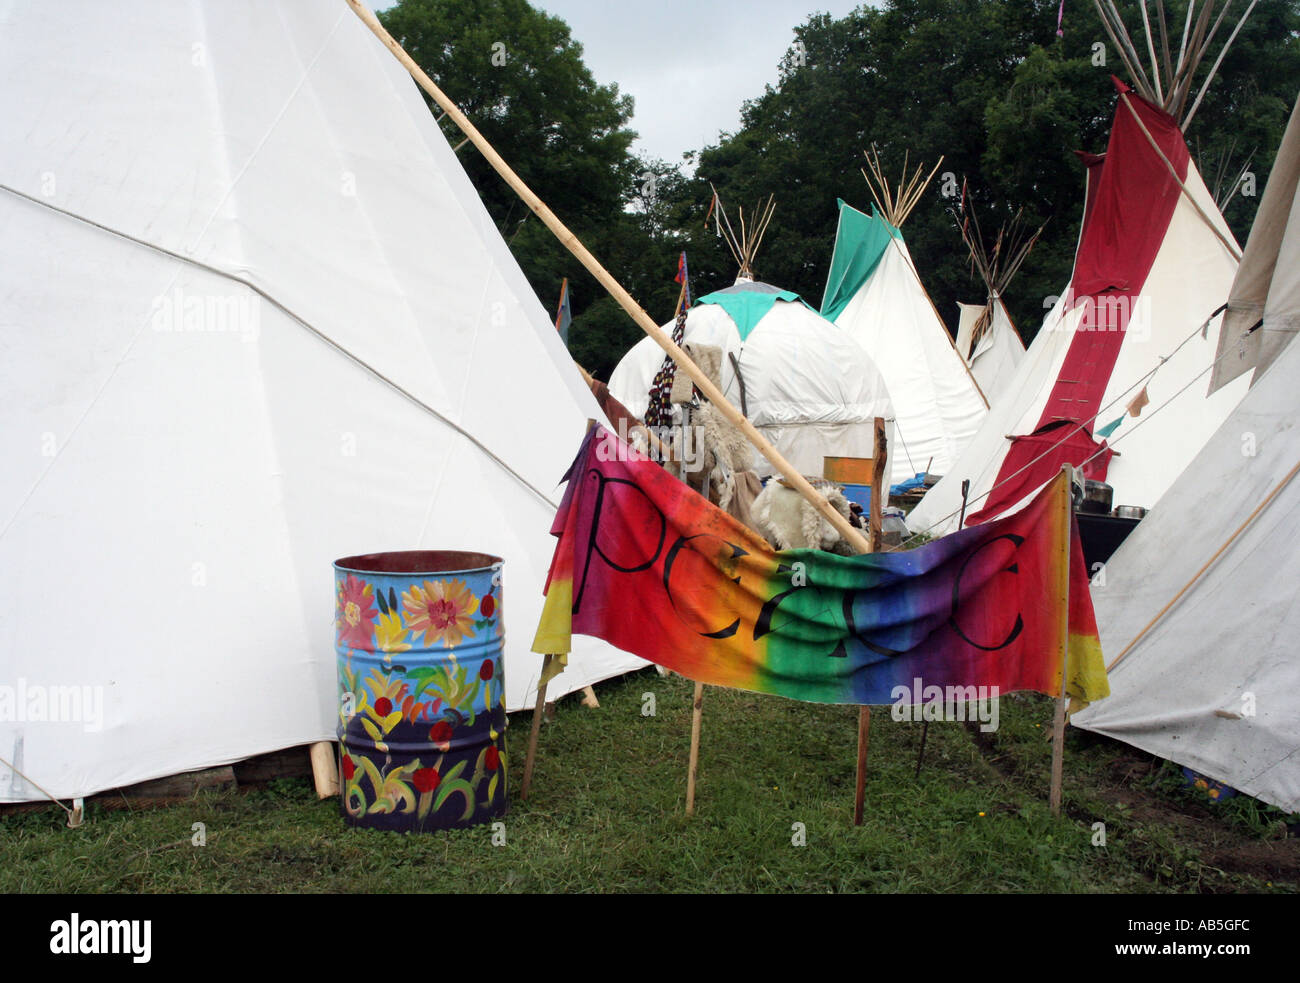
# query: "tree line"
{"points": [[986, 84]]}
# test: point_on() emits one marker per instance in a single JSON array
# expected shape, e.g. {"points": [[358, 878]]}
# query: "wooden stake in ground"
{"points": [[711, 392], [697, 721], [875, 535], [538, 709], [1058, 723], [324, 770]]}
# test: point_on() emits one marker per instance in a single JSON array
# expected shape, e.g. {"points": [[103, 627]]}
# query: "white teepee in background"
{"points": [[1205, 670], [874, 294], [254, 318], [986, 337], [989, 342]]}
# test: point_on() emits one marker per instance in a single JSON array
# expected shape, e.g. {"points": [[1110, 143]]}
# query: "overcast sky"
{"points": [[689, 65]]}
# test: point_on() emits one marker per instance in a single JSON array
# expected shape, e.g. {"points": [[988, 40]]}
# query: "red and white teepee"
{"points": [[1123, 357]]}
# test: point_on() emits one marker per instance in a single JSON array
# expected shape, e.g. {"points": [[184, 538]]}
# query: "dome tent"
{"points": [[802, 382], [805, 386]]}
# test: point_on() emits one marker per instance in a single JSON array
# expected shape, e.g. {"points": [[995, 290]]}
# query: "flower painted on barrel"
{"points": [[442, 609], [440, 735], [486, 670], [379, 709], [426, 780], [349, 768], [492, 760], [355, 615], [390, 636], [487, 606]]}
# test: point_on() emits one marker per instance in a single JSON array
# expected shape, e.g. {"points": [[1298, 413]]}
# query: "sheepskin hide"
{"points": [[790, 522]]}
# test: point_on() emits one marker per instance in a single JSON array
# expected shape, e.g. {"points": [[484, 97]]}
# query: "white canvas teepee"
{"points": [[986, 339], [807, 387], [1123, 357], [254, 319], [874, 294], [1263, 315], [995, 355], [1204, 667]]}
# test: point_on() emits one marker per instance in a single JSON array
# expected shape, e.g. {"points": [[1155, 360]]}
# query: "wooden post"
{"points": [[324, 770], [961, 519], [711, 392], [538, 709], [864, 743], [697, 720], [879, 482], [1058, 723]]}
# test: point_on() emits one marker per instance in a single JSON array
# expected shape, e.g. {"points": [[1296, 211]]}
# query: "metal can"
{"points": [[422, 709]]}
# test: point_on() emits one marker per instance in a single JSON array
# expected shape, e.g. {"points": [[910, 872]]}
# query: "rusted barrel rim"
{"points": [[418, 562]]}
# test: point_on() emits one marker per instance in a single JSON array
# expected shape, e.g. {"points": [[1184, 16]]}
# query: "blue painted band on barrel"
{"points": [[422, 713]]}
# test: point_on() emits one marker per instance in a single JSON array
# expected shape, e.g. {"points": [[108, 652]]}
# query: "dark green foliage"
{"points": [[985, 83]]}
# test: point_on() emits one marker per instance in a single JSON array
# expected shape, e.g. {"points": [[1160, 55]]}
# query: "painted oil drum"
{"points": [[422, 707]]}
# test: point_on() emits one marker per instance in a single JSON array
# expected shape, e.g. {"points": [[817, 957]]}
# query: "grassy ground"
{"points": [[606, 815]]}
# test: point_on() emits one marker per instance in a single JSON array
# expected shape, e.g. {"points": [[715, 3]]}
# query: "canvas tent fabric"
{"points": [[995, 356], [1269, 278], [1149, 274], [808, 388], [1214, 684], [255, 318], [876, 298]]}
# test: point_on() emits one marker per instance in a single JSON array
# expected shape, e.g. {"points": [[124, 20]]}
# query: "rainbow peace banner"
{"points": [[656, 570]]}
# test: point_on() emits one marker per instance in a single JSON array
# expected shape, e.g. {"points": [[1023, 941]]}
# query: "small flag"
{"points": [[684, 278], [1060, 15], [1134, 407], [564, 316], [712, 204], [1110, 428]]}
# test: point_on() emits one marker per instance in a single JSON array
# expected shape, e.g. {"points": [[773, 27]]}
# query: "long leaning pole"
{"points": [[571, 242]]}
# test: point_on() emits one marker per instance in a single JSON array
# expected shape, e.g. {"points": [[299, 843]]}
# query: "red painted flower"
{"points": [[492, 760], [486, 670], [487, 606], [349, 768], [383, 706], [355, 613], [426, 779], [440, 734]]}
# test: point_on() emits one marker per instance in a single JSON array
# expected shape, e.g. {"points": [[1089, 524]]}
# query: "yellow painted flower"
{"points": [[442, 609], [390, 636]]}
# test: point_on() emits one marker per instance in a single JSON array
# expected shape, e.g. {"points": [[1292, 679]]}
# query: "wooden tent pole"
{"points": [[324, 769], [1058, 722], [1233, 251], [539, 708], [697, 721], [876, 533], [711, 392], [1206, 565]]}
